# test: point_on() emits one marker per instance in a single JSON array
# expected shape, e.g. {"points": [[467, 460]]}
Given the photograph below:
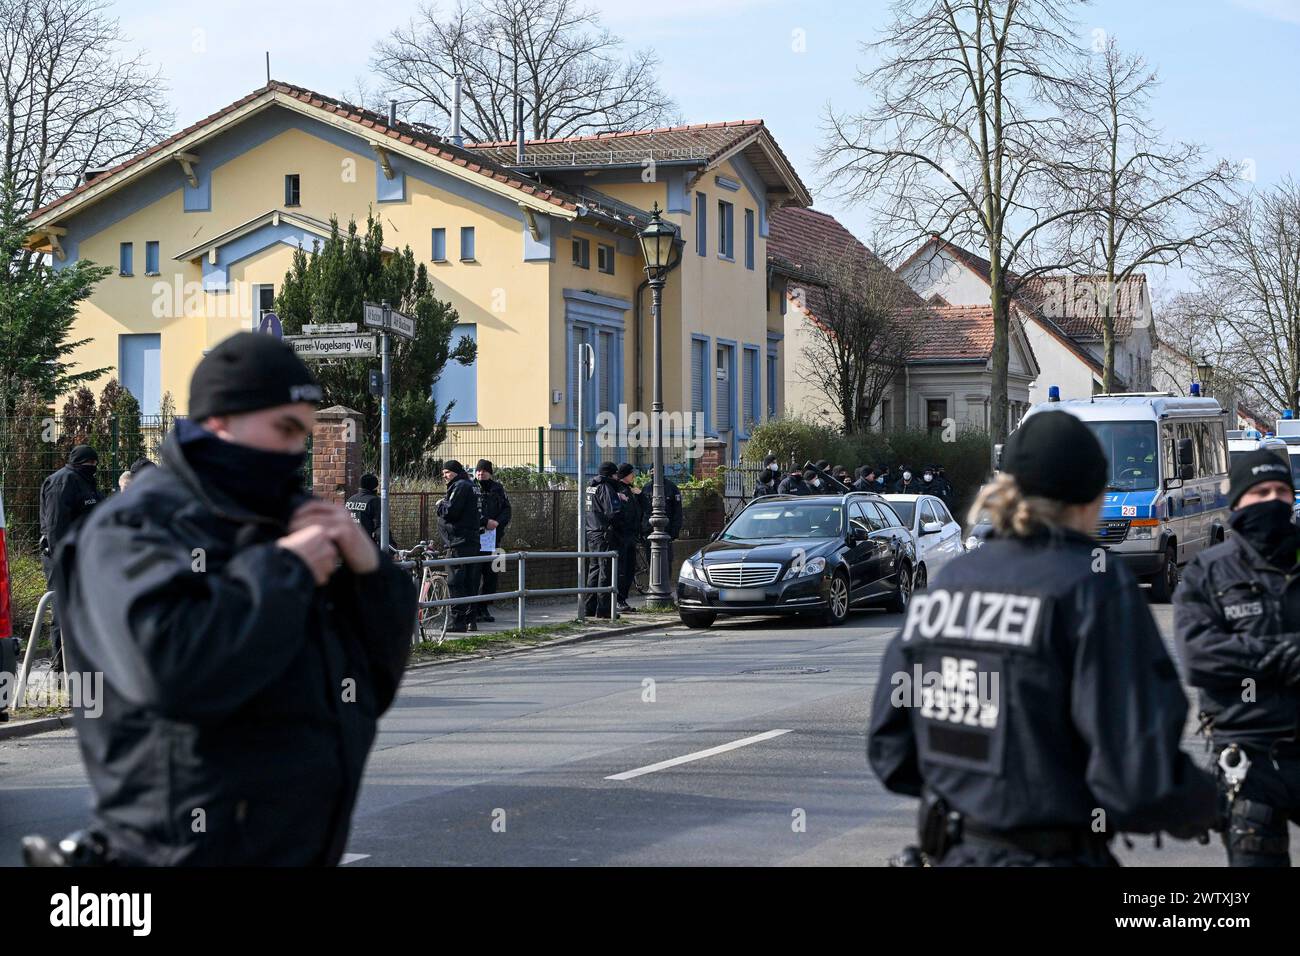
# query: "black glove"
{"points": [[1282, 662]]}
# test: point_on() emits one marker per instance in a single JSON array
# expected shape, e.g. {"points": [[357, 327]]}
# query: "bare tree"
{"points": [[965, 141], [1251, 287], [858, 340], [1155, 202], [1192, 333], [569, 70], [72, 97]]}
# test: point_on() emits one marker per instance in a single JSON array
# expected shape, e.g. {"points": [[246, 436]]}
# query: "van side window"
{"points": [[1169, 438]]}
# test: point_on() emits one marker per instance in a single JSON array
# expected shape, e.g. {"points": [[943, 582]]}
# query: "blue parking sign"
{"points": [[271, 325]]}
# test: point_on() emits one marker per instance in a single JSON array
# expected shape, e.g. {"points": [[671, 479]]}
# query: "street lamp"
{"points": [[1203, 368], [662, 251]]}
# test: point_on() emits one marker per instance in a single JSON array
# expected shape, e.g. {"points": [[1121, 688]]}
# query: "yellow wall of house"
{"points": [[517, 306]]}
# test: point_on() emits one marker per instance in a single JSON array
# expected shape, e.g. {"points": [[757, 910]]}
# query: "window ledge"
{"points": [[726, 258], [153, 273], [468, 259], [292, 205], [127, 275]]}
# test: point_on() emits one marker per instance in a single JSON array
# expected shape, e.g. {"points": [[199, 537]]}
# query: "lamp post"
{"points": [[662, 250], [1203, 369]]}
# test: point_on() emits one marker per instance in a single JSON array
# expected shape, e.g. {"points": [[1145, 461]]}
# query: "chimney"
{"points": [[456, 137], [392, 113], [519, 131]]}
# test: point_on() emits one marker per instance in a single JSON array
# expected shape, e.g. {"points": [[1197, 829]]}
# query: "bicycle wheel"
{"points": [[433, 620]]}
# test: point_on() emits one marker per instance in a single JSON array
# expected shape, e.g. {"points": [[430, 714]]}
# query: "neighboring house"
{"points": [[947, 377], [1174, 371], [536, 256], [1061, 319]]}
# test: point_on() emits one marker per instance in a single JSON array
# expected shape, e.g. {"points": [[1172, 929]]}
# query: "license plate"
{"points": [[741, 594]]}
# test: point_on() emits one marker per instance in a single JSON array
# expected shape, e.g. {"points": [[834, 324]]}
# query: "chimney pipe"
{"points": [[392, 113], [519, 130], [456, 137]]}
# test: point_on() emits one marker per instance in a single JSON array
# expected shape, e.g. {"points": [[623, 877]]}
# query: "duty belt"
{"points": [[1041, 842]]}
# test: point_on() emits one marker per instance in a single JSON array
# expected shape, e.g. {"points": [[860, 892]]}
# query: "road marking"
{"points": [[698, 755], [352, 858]]}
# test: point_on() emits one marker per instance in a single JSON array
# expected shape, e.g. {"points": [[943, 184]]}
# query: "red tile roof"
{"points": [[375, 123], [952, 332], [703, 142], [800, 241], [1052, 296]]}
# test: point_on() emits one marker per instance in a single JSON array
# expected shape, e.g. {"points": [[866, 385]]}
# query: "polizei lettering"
{"points": [[978, 616]]}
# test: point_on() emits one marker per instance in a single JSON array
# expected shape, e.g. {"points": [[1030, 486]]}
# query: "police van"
{"points": [[1166, 496], [1244, 440], [1288, 433]]}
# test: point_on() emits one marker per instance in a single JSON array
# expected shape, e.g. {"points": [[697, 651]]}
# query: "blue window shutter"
{"points": [[151, 258], [749, 238], [701, 224], [126, 255], [698, 370], [140, 369], [458, 382], [439, 245], [771, 386], [751, 388], [723, 400], [467, 242]]}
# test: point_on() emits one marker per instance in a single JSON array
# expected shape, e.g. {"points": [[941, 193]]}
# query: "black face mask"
{"points": [[267, 483], [1268, 529], [85, 471]]}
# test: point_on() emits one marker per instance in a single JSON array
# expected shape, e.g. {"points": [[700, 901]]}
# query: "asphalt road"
{"points": [[557, 757]]}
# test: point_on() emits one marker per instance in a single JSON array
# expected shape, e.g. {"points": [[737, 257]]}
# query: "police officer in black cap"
{"points": [[66, 495], [494, 514], [866, 479], [1237, 619], [769, 478], [796, 483], [606, 518], [364, 506], [458, 522], [1048, 714], [249, 634]]}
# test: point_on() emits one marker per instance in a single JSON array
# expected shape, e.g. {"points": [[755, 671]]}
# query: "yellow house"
{"points": [[537, 252]]}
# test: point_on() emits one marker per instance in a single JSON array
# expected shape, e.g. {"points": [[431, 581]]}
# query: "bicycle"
{"points": [[430, 622]]}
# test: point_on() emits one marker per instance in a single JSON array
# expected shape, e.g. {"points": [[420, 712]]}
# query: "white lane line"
{"points": [[698, 755]]}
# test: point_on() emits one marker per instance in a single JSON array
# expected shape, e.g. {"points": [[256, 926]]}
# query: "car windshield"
{"points": [[904, 510], [1132, 452], [786, 519]]}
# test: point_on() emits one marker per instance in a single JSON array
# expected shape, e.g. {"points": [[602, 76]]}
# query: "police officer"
{"points": [[866, 479], [795, 483], [769, 478], [606, 515], [364, 506], [673, 504], [249, 635], [494, 513], [458, 522], [933, 484], [1048, 714], [1237, 620], [636, 524], [66, 495], [908, 484]]}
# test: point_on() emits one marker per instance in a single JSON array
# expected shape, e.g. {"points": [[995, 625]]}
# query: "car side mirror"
{"points": [[931, 527], [859, 534]]}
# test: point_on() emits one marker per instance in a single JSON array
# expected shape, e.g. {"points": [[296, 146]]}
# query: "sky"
{"points": [[1228, 67]]}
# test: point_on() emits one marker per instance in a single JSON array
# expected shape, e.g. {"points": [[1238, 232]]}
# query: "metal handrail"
{"points": [[522, 592], [20, 690]]}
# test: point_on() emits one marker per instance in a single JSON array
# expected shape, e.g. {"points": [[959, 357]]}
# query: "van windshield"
{"points": [[1132, 453]]}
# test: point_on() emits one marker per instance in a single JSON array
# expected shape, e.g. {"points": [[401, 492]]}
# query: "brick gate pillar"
{"points": [[336, 441]]}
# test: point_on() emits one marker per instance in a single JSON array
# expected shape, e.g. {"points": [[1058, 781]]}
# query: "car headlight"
{"points": [[972, 543], [690, 571], [1141, 531], [809, 567]]}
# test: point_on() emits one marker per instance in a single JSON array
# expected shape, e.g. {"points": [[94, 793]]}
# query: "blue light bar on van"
{"points": [[1053, 393], [1196, 390]]}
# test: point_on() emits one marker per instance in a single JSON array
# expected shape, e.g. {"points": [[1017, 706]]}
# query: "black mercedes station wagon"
{"points": [[811, 554]]}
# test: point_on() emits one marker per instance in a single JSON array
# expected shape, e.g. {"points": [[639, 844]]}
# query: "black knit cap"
{"points": [[1054, 455], [247, 372], [82, 455], [484, 465], [369, 482], [1254, 468], [608, 469], [625, 469], [451, 464]]}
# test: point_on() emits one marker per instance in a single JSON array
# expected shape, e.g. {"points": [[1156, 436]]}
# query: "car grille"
{"points": [[742, 575], [1112, 532]]}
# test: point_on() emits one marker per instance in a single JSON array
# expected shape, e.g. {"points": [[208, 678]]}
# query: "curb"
{"points": [[25, 728], [558, 642]]}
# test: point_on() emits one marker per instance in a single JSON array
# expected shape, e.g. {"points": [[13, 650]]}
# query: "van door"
{"points": [[1176, 523]]}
